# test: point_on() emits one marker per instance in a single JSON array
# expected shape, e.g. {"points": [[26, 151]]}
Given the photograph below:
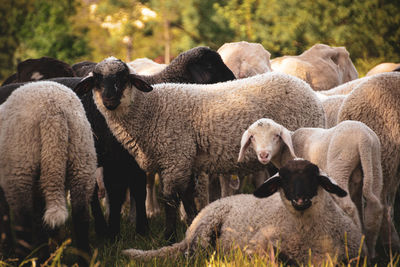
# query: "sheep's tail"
{"points": [[53, 166], [168, 251]]}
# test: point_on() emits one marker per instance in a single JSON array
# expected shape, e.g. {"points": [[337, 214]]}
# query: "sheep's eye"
{"points": [[277, 136], [251, 137]]}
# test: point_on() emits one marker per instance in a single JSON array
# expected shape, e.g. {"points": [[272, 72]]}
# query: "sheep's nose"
{"points": [[264, 155]]}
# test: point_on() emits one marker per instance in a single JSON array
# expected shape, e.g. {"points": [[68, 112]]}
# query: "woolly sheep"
{"points": [[181, 129], [376, 103], [145, 66], [47, 148], [83, 68], [197, 65], [40, 69], [348, 152], [322, 66], [245, 59], [299, 217], [383, 67]]}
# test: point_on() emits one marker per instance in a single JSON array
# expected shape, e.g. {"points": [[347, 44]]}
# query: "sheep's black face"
{"points": [[212, 63], [300, 184], [111, 80]]}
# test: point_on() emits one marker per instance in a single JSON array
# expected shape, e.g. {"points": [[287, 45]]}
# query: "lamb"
{"points": [[47, 147], [322, 66], [376, 103], [349, 153], [245, 59], [181, 129], [383, 67], [300, 216], [40, 69], [145, 66]]}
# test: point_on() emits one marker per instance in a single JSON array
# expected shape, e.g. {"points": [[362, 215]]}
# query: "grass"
{"points": [[107, 253]]}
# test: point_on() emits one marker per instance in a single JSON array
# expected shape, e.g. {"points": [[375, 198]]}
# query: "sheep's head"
{"points": [[202, 65], [267, 138], [111, 77], [299, 181]]}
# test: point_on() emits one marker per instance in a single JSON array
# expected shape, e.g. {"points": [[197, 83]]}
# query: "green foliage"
{"points": [[48, 30]]}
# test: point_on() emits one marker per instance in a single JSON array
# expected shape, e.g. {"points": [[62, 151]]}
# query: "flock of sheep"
{"points": [[111, 126]]}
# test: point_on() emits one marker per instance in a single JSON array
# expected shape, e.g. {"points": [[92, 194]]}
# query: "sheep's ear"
{"points": [[199, 73], [330, 185], [244, 144], [84, 86], [287, 139], [139, 83], [269, 187]]}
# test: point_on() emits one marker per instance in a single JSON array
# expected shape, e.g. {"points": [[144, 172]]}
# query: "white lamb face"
{"points": [[267, 139]]}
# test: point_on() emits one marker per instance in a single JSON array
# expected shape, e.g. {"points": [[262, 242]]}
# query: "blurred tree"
{"points": [[12, 17], [49, 30]]}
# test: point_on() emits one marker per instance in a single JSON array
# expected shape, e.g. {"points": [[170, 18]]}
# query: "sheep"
{"points": [[40, 69], [145, 66], [197, 65], [291, 210], [245, 59], [376, 103], [349, 153], [383, 67], [181, 129], [83, 68], [322, 66], [47, 147]]}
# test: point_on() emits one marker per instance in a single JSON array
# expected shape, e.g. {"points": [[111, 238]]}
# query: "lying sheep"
{"points": [[245, 59], [181, 129], [322, 66], [302, 216], [47, 147], [349, 153], [376, 103]]}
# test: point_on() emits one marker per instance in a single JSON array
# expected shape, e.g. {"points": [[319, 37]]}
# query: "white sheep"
{"points": [[349, 153], [181, 129], [47, 147], [302, 216], [383, 67], [376, 103], [245, 59], [145, 66], [322, 66]]}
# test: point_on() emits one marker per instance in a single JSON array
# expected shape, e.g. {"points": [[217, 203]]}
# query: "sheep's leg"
{"points": [[152, 207], [100, 224], [202, 190], [6, 240], [388, 233], [175, 181], [132, 204], [189, 203], [137, 187], [116, 195]]}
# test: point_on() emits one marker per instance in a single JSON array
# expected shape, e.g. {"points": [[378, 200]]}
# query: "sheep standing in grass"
{"points": [[181, 129], [302, 216], [47, 147], [376, 103], [349, 153]]}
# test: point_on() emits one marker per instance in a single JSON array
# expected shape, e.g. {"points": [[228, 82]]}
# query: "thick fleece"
{"points": [[376, 103], [47, 148]]}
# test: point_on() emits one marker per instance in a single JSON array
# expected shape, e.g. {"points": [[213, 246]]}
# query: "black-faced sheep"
{"points": [[40, 69], [301, 216], [181, 129], [47, 148]]}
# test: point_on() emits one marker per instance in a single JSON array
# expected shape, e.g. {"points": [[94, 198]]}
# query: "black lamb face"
{"points": [[111, 79], [300, 185]]}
